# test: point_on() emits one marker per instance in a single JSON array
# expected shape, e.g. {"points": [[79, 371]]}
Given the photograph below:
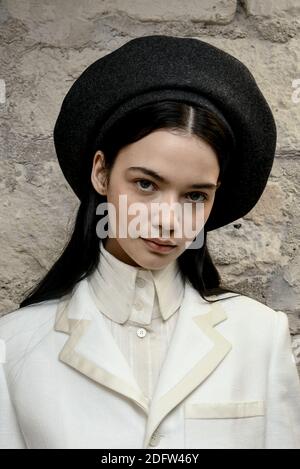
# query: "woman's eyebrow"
{"points": [[155, 175]]}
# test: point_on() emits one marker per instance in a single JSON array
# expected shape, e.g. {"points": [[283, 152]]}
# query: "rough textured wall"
{"points": [[45, 45]]}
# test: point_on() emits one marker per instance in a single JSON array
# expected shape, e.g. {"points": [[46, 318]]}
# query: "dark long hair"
{"points": [[82, 252]]}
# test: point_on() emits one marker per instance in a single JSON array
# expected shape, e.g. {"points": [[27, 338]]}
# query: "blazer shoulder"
{"points": [[253, 322], [244, 305], [26, 325]]}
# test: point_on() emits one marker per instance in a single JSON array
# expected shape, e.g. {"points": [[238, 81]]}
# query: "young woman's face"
{"points": [[181, 162]]}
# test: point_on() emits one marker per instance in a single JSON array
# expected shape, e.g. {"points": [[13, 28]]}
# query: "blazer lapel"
{"points": [[91, 348], [195, 350]]}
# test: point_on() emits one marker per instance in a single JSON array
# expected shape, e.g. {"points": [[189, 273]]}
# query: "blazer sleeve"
{"points": [[283, 394], [10, 433]]}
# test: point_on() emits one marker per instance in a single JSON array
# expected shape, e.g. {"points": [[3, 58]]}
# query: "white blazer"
{"points": [[229, 379]]}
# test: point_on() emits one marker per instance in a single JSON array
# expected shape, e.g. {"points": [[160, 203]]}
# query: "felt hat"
{"points": [[159, 67]]}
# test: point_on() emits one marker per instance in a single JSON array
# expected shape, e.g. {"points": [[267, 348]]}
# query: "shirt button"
{"points": [[140, 282], [138, 306], [141, 332]]}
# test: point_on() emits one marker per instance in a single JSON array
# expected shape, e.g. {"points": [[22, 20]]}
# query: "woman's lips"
{"points": [[157, 247]]}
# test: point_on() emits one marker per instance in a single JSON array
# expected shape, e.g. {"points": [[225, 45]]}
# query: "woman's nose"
{"points": [[168, 214]]}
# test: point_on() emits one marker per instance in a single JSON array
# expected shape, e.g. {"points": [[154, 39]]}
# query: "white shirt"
{"points": [[141, 309]]}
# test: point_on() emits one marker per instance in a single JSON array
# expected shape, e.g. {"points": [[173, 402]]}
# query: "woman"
{"points": [[127, 342]]}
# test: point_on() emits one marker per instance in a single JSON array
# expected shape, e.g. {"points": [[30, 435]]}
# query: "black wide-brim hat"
{"points": [[158, 67]]}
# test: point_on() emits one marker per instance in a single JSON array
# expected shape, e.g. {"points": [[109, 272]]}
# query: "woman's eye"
{"points": [[143, 182], [199, 194]]}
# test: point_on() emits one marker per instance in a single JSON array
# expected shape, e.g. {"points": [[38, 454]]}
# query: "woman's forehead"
{"points": [[168, 152]]}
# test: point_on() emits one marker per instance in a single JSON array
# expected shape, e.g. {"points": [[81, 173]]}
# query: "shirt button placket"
{"points": [[140, 282], [138, 306]]}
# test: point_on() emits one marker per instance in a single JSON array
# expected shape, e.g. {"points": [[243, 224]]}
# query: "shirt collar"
{"points": [[116, 287]]}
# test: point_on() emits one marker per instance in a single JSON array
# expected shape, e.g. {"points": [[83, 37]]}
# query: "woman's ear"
{"points": [[98, 175]]}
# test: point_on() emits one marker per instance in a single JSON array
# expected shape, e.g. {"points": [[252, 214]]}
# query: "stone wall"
{"points": [[45, 45]]}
